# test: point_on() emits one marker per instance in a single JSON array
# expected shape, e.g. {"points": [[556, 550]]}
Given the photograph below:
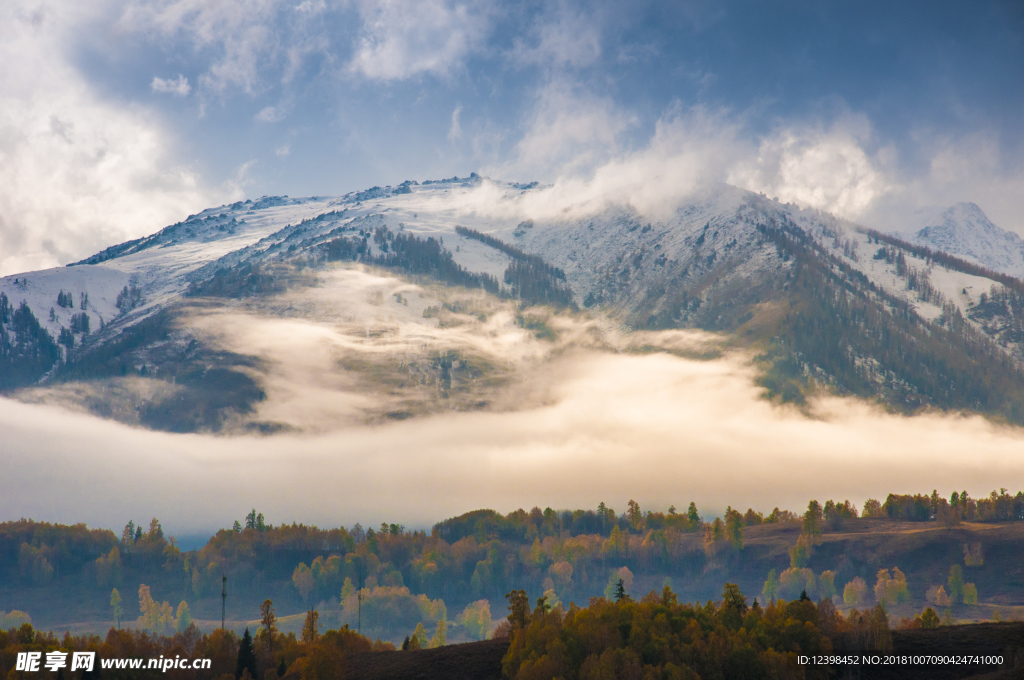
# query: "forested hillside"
{"points": [[956, 555]]}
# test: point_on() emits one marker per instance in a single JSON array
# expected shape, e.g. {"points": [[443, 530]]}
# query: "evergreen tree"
{"points": [[246, 656], [620, 590]]}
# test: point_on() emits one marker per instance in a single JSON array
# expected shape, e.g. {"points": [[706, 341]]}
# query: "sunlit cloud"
{"points": [[690, 149], [827, 169], [655, 428], [78, 172]]}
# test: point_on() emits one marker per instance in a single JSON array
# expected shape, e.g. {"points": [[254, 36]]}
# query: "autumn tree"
{"points": [[812, 519], [734, 527], [419, 637], [948, 515], [311, 626], [440, 638], [734, 606], [108, 568], [771, 586], [476, 619], [970, 594], [929, 619], [519, 609], [827, 585], [268, 629], [115, 605], [872, 509], [128, 539], [304, 581], [634, 515], [183, 618], [956, 584], [890, 591], [855, 592], [800, 554]]}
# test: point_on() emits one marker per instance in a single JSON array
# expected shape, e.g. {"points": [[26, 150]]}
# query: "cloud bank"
{"points": [[656, 428], [579, 143]]}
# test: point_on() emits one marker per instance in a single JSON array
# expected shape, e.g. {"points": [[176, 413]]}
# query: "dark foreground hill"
{"points": [[982, 639], [482, 660], [469, 661]]}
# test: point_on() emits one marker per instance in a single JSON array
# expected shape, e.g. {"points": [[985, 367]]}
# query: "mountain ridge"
{"points": [[823, 303]]}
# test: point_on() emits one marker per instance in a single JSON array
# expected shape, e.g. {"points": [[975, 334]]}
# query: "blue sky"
{"points": [[121, 116]]}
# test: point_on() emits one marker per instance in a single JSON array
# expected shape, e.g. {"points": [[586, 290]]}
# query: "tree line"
{"points": [[837, 318]]}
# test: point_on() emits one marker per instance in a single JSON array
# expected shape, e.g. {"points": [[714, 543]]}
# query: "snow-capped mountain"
{"points": [[398, 301], [964, 230]]}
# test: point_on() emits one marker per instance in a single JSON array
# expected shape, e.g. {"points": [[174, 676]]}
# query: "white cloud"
{"points": [[455, 131], [562, 37], [404, 38], [579, 142], [178, 87], [827, 169], [570, 130], [270, 114], [249, 42], [283, 150], [575, 143], [76, 173], [242, 34]]}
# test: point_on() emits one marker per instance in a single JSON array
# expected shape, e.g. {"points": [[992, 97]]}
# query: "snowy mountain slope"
{"points": [[965, 231], [236, 303]]}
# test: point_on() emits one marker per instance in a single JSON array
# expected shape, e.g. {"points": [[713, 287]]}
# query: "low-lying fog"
{"points": [[611, 426]]}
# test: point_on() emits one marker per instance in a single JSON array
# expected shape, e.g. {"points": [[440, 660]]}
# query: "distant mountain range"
{"points": [[965, 231], [823, 304]]}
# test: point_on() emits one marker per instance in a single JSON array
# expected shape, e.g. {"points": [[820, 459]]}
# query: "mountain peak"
{"points": [[964, 230]]}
